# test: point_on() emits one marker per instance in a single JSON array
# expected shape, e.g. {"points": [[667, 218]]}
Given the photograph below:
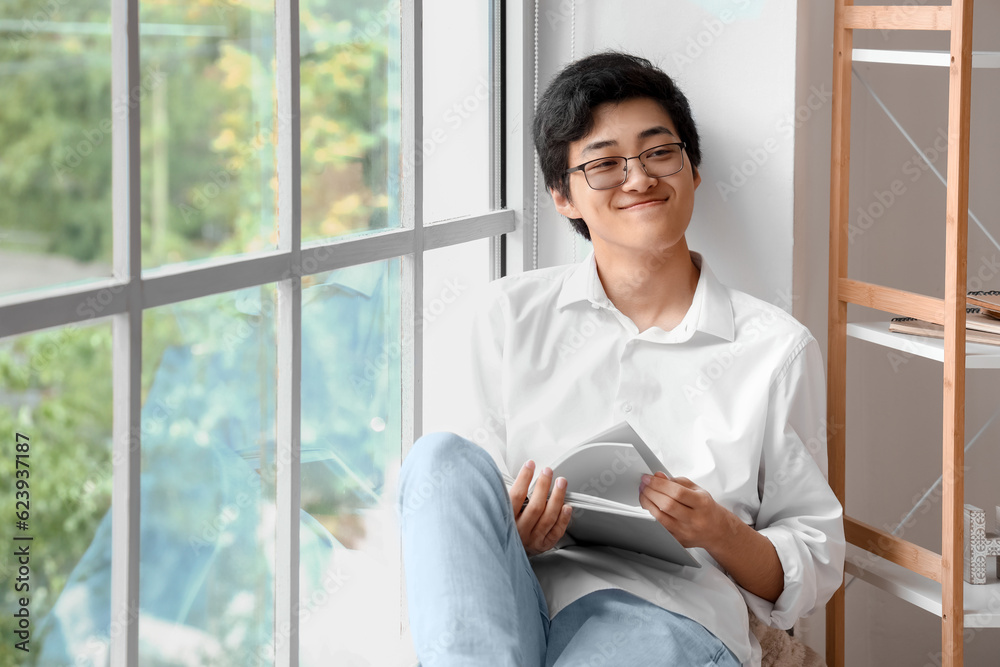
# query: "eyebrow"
{"points": [[645, 134]]}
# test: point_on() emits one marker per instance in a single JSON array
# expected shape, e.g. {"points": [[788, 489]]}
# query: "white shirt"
{"points": [[732, 398]]}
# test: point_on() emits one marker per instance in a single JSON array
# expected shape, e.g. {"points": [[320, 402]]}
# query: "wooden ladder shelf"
{"points": [[944, 568]]}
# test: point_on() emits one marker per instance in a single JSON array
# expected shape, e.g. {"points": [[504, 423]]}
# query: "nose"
{"points": [[636, 179]]}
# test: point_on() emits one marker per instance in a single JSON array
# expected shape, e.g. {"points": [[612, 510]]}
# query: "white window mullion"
{"points": [[163, 286], [412, 283], [127, 336], [412, 274], [497, 183], [519, 73], [289, 337]]}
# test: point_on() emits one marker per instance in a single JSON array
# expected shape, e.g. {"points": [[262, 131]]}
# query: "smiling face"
{"points": [[643, 214]]}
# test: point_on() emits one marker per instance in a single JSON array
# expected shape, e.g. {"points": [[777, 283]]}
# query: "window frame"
{"points": [[124, 298]]}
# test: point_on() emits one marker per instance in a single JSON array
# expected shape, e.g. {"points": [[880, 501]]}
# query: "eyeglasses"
{"points": [[606, 173]]}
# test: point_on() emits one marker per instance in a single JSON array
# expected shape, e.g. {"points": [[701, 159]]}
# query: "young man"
{"points": [[726, 389]]}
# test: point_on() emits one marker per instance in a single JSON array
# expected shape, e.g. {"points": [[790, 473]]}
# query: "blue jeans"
{"points": [[475, 601]]}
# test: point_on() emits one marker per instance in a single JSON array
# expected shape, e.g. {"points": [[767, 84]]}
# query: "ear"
{"points": [[697, 176], [564, 205]]}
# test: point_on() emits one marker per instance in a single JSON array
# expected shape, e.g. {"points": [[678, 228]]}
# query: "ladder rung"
{"points": [[906, 554], [889, 300], [917, 17]]}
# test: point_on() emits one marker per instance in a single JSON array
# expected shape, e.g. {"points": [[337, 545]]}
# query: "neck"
{"points": [[650, 287]]}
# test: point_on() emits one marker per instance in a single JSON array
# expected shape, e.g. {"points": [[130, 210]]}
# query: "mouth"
{"points": [[639, 205]]}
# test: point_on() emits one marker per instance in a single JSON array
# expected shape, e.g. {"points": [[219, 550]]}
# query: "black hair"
{"points": [[566, 111]]}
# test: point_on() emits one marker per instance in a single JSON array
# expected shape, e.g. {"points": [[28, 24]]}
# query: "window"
{"points": [[220, 260]]}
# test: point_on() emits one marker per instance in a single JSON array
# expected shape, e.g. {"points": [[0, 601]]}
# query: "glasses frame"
{"points": [[583, 167]]}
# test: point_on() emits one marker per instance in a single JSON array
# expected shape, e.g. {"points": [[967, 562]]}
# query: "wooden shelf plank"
{"points": [[980, 59], [982, 603], [899, 17], [891, 300], [977, 355], [886, 545]]}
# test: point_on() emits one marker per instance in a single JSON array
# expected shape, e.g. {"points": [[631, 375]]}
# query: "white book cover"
{"points": [[603, 476]]}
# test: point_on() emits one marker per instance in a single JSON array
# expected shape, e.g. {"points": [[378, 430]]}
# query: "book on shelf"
{"points": [[603, 476], [987, 302], [982, 321]]}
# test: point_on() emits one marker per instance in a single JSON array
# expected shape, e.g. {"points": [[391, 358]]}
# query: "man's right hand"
{"points": [[544, 519]]}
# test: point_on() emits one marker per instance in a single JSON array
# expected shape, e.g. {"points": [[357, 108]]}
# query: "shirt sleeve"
{"points": [[477, 410], [799, 512]]}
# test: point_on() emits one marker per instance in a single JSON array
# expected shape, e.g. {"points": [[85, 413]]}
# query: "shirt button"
{"points": [[627, 407]]}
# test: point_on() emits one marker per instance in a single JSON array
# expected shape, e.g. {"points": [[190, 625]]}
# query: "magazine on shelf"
{"points": [[988, 302], [603, 476], [982, 321]]}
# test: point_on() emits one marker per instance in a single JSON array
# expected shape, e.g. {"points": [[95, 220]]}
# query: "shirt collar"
{"points": [[711, 304]]}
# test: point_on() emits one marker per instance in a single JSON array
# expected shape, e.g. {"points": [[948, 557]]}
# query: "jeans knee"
{"points": [[433, 463], [437, 451]]}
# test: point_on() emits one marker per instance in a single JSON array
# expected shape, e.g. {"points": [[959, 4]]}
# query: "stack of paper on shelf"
{"points": [[982, 321], [988, 302]]}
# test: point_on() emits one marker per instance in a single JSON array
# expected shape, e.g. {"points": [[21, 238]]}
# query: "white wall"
{"points": [[746, 81]]}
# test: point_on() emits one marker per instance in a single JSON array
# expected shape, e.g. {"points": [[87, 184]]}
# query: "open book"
{"points": [[603, 476]]}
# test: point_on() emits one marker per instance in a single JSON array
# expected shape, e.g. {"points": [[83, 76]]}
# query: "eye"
{"points": [[663, 152], [604, 164]]}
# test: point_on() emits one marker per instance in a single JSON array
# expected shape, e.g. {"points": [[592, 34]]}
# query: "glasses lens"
{"points": [[605, 173], [663, 161]]}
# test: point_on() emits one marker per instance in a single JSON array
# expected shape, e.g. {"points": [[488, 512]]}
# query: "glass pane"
{"points": [[452, 276], [55, 402], [456, 144], [207, 542], [208, 129], [55, 143], [350, 72], [349, 544]]}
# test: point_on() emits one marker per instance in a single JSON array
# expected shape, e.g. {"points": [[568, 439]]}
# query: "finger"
{"points": [[552, 509], [539, 495], [665, 502], [651, 507], [559, 529], [685, 482], [683, 491], [519, 489]]}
